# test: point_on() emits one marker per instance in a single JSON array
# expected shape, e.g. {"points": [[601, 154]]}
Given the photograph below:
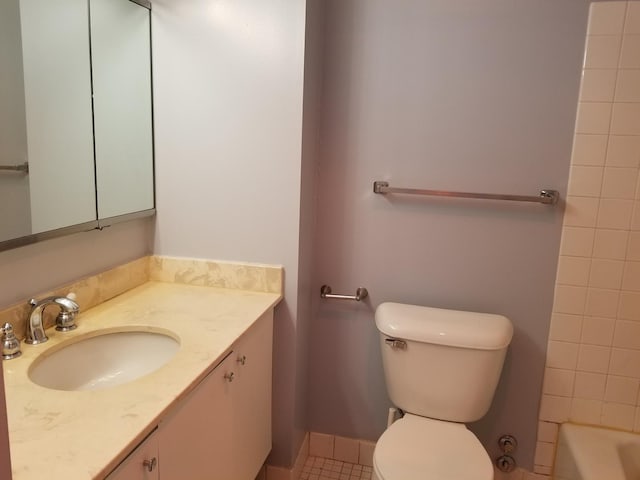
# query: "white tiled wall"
{"points": [[341, 448], [593, 359]]}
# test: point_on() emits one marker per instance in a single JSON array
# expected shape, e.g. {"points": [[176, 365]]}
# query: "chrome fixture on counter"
{"points": [[65, 320], [10, 344], [546, 197], [361, 294]]}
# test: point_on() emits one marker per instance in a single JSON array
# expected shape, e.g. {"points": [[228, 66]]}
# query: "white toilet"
{"points": [[441, 368]]}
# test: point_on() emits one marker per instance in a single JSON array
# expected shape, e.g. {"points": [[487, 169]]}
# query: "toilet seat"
{"points": [[420, 448]]}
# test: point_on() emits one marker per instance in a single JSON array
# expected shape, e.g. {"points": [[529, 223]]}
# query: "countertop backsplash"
{"points": [[96, 289]]}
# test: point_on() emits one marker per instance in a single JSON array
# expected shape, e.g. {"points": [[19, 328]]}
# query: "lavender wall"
{"points": [[228, 98], [308, 179], [27, 271], [465, 95]]}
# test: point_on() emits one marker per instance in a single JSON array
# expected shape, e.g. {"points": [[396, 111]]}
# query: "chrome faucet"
{"points": [[65, 320]]}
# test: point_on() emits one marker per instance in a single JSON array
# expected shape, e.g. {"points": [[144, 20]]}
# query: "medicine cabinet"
{"points": [[76, 132]]}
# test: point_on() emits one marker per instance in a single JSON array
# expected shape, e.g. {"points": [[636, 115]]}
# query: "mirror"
{"points": [[76, 135], [45, 117], [121, 62]]}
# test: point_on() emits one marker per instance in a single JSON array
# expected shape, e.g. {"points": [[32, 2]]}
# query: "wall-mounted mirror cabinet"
{"points": [[76, 134]]}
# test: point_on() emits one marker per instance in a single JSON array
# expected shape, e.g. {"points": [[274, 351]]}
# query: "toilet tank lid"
{"points": [[482, 331]]}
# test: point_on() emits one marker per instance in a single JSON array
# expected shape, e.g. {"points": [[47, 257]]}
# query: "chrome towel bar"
{"points": [[24, 167], [546, 197], [361, 294]]}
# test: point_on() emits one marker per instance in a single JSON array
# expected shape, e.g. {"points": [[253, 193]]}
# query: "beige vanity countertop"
{"points": [[82, 435]]}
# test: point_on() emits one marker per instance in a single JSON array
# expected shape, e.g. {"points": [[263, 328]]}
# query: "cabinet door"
{"points": [[121, 65], [141, 464], [195, 440], [252, 399], [57, 101]]}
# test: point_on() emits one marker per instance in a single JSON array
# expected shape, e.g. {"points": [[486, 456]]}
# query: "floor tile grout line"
{"points": [[318, 468]]}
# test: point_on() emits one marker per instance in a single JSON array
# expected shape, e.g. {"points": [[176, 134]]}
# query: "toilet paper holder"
{"points": [[361, 294]]}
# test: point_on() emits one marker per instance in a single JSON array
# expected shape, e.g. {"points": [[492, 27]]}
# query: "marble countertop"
{"points": [[84, 434]]}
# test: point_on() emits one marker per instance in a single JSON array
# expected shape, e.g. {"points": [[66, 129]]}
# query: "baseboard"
{"points": [[303, 454], [282, 473], [344, 449]]}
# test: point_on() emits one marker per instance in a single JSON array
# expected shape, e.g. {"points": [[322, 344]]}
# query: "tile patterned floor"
{"points": [[316, 468]]}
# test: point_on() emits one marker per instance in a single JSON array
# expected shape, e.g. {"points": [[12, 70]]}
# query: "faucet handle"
{"points": [[66, 319], [10, 344]]}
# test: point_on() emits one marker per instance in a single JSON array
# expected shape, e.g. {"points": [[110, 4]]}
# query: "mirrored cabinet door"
{"points": [[15, 204], [53, 116], [121, 63]]}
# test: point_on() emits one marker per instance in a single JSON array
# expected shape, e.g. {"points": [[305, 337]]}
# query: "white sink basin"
{"points": [[104, 360]]}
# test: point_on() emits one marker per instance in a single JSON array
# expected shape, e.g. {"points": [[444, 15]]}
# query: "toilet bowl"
{"points": [[441, 368], [419, 448]]}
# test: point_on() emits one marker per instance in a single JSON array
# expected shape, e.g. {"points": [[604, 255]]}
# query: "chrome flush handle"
{"points": [[396, 344]]}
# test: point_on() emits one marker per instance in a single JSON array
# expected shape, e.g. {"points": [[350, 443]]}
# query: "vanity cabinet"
{"points": [[194, 439], [220, 430], [251, 396]]}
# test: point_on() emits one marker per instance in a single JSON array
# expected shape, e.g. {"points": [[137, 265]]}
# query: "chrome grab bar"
{"points": [[361, 294], [546, 197], [24, 167]]}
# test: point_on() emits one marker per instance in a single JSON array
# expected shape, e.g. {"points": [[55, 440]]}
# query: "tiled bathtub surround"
{"points": [[593, 359], [99, 288]]}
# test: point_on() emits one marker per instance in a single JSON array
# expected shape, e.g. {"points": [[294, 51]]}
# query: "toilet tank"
{"points": [[446, 363]]}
